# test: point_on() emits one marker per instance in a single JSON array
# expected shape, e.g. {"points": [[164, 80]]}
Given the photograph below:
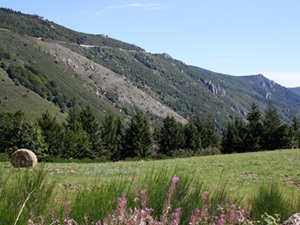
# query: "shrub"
{"points": [[210, 151], [269, 199]]}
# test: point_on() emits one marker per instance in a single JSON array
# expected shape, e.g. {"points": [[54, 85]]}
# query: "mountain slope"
{"points": [[118, 77], [295, 90]]}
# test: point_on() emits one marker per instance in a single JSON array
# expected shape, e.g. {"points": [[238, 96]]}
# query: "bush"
{"points": [[211, 151], [269, 199]]}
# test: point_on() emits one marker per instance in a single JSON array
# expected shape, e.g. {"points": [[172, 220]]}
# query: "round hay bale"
{"points": [[23, 158]]}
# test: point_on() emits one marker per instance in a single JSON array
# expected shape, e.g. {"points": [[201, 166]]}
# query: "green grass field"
{"points": [[91, 186], [242, 172]]}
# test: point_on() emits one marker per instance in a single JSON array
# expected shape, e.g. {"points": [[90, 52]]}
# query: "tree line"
{"points": [[81, 136], [259, 132]]}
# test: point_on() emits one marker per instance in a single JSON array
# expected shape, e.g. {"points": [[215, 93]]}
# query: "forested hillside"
{"points": [[62, 67]]}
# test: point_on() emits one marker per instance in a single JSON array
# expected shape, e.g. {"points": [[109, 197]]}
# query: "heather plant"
{"points": [[141, 214]]}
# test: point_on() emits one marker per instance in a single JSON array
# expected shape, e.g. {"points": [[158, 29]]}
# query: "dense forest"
{"points": [[81, 136]]}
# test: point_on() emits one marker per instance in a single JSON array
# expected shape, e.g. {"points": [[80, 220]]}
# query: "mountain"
{"points": [[295, 90], [59, 67]]}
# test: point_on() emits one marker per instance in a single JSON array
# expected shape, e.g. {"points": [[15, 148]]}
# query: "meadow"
{"points": [[257, 183]]}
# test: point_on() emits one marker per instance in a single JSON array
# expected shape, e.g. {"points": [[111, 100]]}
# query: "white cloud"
{"points": [[286, 79], [142, 6], [136, 5]]}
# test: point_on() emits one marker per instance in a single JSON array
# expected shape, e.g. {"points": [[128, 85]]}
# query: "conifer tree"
{"points": [[172, 136], [296, 132], [201, 130], [210, 139], [253, 130], [271, 123], [228, 144], [234, 137], [285, 137], [76, 143], [138, 138], [92, 127], [52, 133], [111, 137], [192, 137]]}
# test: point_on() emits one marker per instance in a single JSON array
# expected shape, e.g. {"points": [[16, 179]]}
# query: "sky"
{"points": [[235, 37]]}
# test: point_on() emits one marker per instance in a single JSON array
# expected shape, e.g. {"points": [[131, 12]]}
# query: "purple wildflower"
{"points": [[176, 216], [195, 217], [144, 199], [122, 207], [175, 180]]}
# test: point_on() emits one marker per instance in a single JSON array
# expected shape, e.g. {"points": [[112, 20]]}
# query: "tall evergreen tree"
{"points": [[253, 130], [210, 139], [138, 138], [92, 127], [285, 137], [228, 143], [76, 145], [73, 119], [111, 137], [192, 137], [296, 132], [201, 130], [234, 137], [172, 136], [271, 123], [52, 132], [76, 141]]}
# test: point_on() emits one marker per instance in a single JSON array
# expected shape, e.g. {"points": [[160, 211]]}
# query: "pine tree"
{"points": [[76, 141], [192, 137], [76, 145], [296, 132], [201, 130], [138, 138], [52, 133], [271, 123], [253, 130], [228, 144], [234, 137], [111, 137], [285, 137], [92, 127], [172, 136], [73, 119], [210, 139]]}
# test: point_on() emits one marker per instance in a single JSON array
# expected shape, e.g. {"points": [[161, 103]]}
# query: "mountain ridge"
{"points": [[157, 84]]}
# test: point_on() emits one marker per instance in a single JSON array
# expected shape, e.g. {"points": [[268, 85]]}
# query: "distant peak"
{"points": [[167, 56]]}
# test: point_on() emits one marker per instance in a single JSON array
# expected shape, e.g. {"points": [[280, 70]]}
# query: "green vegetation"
{"points": [[190, 91], [83, 137], [30, 67], [258, 183], [257, 133]]}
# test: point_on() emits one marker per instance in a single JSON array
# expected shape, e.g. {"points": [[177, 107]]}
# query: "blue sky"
{"points": [[236, 37]]}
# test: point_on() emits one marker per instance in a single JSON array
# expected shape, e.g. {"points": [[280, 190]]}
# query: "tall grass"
{"points": [[98, 201], [269, 199], [22, 192]]}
